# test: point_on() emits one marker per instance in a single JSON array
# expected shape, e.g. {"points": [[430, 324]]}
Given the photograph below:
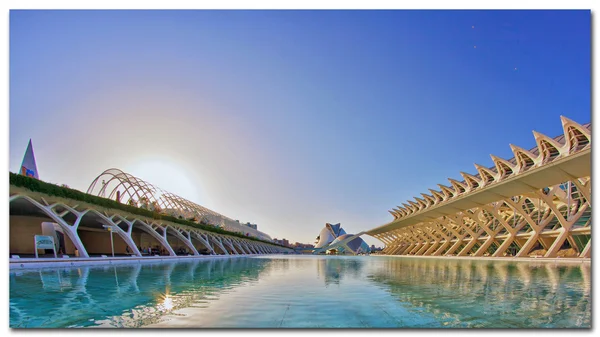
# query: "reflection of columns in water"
{"points": [[83, 274], [525, 274], [468, 271], [454, 274], [52, 280], [167, 273], [553, 276], [586, 282], [81, 283], [320, 267], [501, 270], [538, 292], [482, 272], [134, 276], [209, 267], [116, 279], [76, 292], [192, 269]]}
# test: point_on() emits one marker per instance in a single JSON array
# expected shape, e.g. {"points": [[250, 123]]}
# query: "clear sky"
{"points": [[291, 119]]}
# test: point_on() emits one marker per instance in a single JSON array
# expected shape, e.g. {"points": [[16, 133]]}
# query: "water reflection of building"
{"points": [[333, 270], [74, 295], [460, 293]]}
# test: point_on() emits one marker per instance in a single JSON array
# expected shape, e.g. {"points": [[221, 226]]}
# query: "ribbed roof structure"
{"points": [[133, 190], [576, 137]]}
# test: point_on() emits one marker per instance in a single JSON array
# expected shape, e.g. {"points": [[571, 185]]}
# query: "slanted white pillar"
{"points": [[161, 237], [184, 236], [230, 245], [200, 237], [217, 241]]}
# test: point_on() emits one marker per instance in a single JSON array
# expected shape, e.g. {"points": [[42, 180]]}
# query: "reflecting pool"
{"points": [[305, 292]]}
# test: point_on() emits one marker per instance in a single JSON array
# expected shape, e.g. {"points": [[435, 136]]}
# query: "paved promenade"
{"points": [[25, 263], [565, 260]]}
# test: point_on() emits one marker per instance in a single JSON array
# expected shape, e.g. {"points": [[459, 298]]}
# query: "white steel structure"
{"points": [[536, 203], [76, 218], [137, 192], [85, 225]]}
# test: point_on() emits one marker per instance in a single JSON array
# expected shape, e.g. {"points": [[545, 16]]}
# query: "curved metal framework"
{"points": [[137, 192], [71, 217], [537, 222]]}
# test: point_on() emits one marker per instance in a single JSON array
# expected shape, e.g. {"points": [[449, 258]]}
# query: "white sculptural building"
{"points": [[334, 239], [537, 203]]}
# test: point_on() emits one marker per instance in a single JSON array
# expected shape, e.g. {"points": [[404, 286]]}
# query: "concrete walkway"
{"points": [[24, 263], [569, 260]]}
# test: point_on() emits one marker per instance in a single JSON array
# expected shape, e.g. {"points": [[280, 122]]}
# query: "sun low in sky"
{"points": [[291, 119]]}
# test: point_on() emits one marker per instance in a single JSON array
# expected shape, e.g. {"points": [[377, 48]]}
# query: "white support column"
{"points": [[256, 247], [216, 240], [237, 244], [126, 236], [185, 237], [204, 241], [161, 237], [249, 246], [69, 230], [230, 245]]}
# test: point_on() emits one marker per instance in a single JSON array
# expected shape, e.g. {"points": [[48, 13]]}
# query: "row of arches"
{"points": [[89, 232], [551, 222], [575, 138]]}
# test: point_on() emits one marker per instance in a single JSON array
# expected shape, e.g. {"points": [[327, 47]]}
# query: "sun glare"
{"points": [[169, 176], [167, 303]]}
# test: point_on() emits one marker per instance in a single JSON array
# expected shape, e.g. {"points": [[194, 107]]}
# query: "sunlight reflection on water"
{"points": [[306, 291]]}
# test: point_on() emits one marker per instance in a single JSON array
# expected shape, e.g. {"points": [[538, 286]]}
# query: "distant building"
{"points": [[252, 225], [333, 239], [284, 242], [28, 166], [303, 245]]}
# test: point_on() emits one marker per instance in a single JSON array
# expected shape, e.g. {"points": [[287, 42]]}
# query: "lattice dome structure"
{"points": [[128, 189]]}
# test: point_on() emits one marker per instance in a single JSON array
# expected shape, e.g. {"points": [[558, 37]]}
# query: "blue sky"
{"points": [[291, 119]]}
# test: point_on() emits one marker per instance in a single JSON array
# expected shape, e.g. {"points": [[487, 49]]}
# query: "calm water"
{"points": [[305, 291]]}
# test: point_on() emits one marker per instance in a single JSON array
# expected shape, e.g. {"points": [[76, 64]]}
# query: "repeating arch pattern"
{"points": [[576, 137], [137, 192], [539, 223], [551, 221], [70, 218]]}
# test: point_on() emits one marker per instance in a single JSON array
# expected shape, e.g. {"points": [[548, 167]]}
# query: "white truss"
{"points": [[137, 192], [70, 217], [536, 222]]}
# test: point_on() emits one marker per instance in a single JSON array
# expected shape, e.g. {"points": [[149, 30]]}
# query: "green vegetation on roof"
{"points": [[36, 185]]}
